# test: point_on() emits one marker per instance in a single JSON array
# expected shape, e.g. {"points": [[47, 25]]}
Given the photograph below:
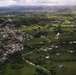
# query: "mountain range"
{"points": [[59, 8]]}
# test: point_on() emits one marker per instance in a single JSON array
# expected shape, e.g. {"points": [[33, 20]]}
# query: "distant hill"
{"points": [[37, 9]]}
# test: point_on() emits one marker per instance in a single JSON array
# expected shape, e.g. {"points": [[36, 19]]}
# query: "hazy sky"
{"points": [[36, 2]]}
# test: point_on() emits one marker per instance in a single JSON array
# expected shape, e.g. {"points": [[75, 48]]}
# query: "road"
{"points": [[31, 63], [37, 65], [3, 23]]}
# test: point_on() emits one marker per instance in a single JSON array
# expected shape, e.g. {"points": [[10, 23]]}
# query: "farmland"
{"points": [[38, 44]]}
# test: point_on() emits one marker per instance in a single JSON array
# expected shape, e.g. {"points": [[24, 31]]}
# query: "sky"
{"points": [[4, 3]]}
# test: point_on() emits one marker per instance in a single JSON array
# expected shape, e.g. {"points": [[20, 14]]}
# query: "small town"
{"points": [[13, 39], [37, 40]]}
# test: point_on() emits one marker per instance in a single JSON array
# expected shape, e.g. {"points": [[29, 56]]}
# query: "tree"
{"points": [[15, 58], [2, 67], [41, 72], [58, 29], [53, 70]]}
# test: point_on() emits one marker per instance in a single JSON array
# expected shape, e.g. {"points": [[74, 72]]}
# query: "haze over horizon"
{"points": [[4, 3]]}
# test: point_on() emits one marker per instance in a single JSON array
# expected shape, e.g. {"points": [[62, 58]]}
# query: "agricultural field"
{"points": [[38, 44]]}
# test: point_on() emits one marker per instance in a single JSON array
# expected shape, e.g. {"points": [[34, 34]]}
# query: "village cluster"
{"points": [[11, 41]]}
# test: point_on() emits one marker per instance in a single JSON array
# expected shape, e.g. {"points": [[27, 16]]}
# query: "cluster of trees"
{"points": [[40, 33], [2, 67], [58, 29], [39, 71], [16, 60], [1, 21], [30, 21], [52, 71]]}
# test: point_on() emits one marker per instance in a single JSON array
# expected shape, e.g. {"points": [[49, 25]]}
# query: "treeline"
{"points": [[31, 21]]}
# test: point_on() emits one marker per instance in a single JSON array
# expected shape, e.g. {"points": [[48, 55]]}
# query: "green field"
{"points": [[53, 45]]}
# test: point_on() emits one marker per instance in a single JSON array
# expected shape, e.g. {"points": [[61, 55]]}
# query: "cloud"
{"points": [[37, 2], [46, 2], [7, 2]]}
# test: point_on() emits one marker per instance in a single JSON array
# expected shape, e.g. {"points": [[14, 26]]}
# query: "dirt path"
{"points": [[31, 63]]}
